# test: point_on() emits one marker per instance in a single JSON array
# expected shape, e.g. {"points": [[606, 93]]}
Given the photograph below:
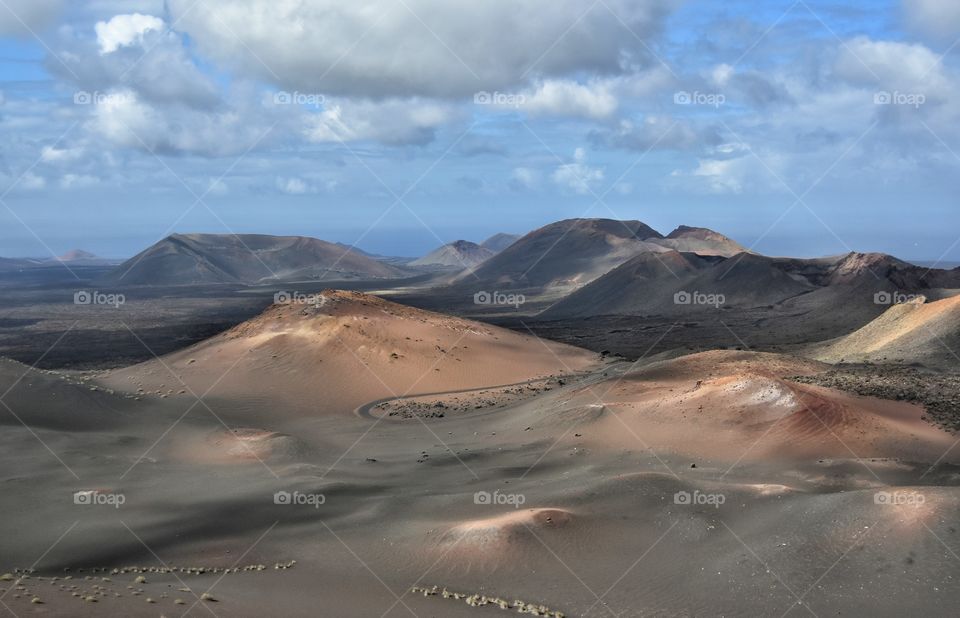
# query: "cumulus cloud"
{"points": [[432, 48], [129, 122], [394, 122], [125, 30], [52, 154], [293, 186], [524, 178], [569, 98], [888, 63], [577, 176], [151, 61]]}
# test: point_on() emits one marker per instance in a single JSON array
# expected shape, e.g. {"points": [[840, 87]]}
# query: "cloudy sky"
{"points": [[807, 128]]}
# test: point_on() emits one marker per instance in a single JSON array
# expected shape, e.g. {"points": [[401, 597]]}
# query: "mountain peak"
{"points": [[459, 253]]}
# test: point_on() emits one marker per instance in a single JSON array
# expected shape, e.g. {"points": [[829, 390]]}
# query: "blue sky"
{"points": [[803, 128]]}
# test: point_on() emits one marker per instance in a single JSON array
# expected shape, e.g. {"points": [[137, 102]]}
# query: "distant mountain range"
{"points": [[76, 257], [248, 259], [566, 255]]}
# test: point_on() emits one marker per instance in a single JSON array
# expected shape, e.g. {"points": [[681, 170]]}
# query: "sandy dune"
{"points": [[911, 332], [343, 349], [702, 485], [733, 405]]}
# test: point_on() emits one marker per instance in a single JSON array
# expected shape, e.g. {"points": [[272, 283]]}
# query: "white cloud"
{"points": [[721, 176], [32, 182], [888, 63], [293, 186], [129, 122], [435, 47], [733, 175], [569, 98], [721, 74], [217, 187], [162, 70], [524, 178], [125, 30], [577, 176], [52, 154], [78, 181], [394, 122]]}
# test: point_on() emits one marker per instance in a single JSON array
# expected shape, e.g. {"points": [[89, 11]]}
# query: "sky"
{"points": [[805, 128]]}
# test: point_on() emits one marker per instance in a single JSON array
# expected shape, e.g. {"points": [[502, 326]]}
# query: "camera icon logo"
{"points": [[882, 98], [683, 498], [82, 297], [282, 98], [682, 98], [482, 98], [682, 298], [84, 498], [282, 298], [482, 497], [283, 497], [883, 298], [82, 97], [482, 298]]}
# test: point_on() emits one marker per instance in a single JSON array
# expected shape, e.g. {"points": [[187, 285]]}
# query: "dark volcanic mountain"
{"points": [[566, 254], [828, 295], [184, 259], [649, 284], [16, 264], [499, 242], [459, 254]]}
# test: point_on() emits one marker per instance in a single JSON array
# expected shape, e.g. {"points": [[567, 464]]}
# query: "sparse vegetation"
{"points": [[481, 600]]}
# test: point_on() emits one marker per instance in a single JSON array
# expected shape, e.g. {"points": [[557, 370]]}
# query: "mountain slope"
{"points": [[344, 349], [650, 284], [701, 241], [911, 332], [459, 254], [499, 242], [566, 254], [247, 258]]}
